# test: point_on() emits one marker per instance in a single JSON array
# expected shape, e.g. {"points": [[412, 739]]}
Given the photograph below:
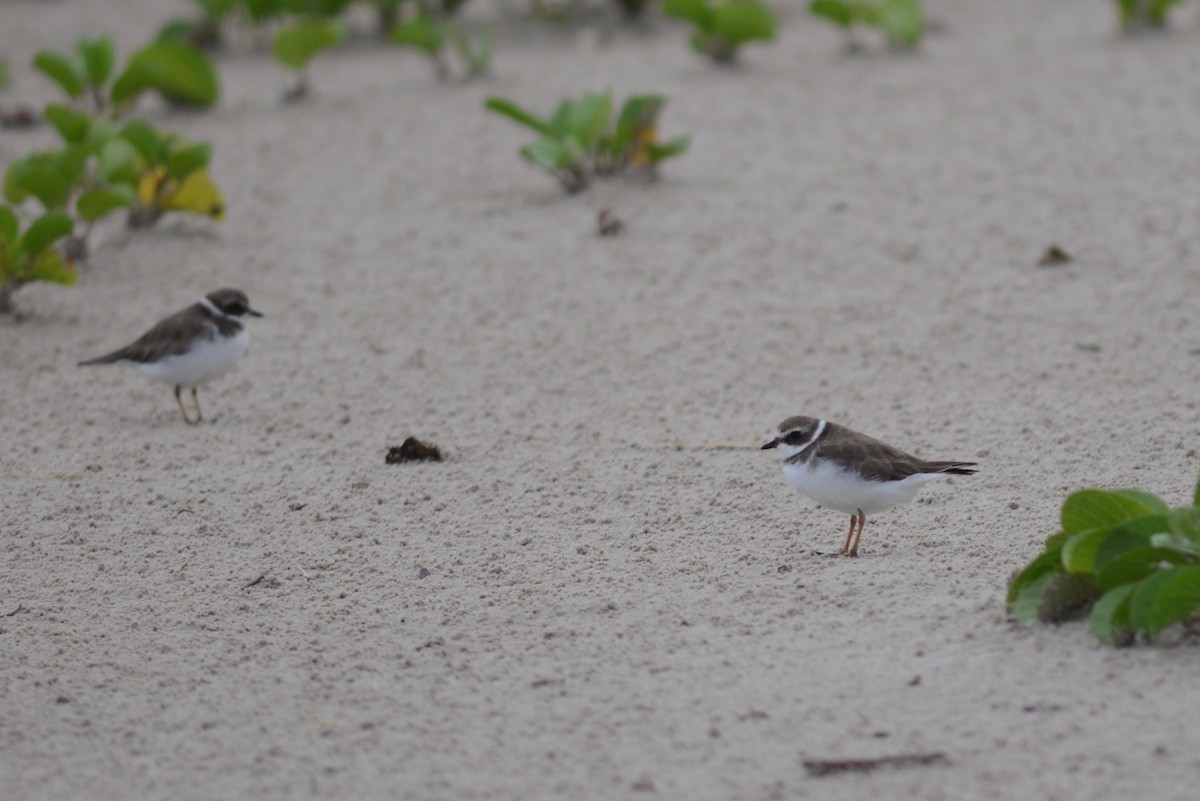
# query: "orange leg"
{"points": [[182, 410], [849, 535], [862, 521]]}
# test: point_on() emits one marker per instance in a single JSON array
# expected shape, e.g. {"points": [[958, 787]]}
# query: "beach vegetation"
{"points": [[721, 28], [583, 138], [1124, 558], [902, 22], [27, 252]]}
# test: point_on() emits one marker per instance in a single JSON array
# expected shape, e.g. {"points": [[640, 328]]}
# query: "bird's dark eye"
{"points": [[794, 438]]}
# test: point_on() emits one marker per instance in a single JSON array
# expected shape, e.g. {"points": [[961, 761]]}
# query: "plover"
{"points": [[192, 346], [851, 472]]}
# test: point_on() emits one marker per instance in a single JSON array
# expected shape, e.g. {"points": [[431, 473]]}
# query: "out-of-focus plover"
{"points": [[851, 472], [192, 346]]}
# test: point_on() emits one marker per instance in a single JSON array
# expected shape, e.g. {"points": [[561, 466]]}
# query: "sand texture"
{"points": [[586, 600]]}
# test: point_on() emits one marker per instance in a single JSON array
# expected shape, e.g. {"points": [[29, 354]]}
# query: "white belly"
{"points": [[849, 492], [208, 359]]}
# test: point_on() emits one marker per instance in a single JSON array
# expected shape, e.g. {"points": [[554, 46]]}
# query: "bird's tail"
{"points": [[951, 468], [108, 358]]}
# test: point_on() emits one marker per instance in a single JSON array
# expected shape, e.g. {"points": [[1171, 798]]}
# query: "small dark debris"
{"points": [[1042, 707], [818, 768], [608, 223], [784, 569], [1054, 256], [544, 683], [643, 786], [414, 450], [915, 681], [881, 735], [753, 714], [19, 117], [1087, 347], [296, 507], [422, 573], [13, 612], [256, 582], [62, 699]]}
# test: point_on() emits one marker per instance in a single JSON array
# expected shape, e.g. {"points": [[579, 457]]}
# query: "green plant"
{"points": [[901, 21], [28, 256], [3, 75], [1123, 555], [171, 174], [723, 27], [100, 169], [429, 35], [581, 139], [1135, 14], [174, 69], [298, 43]]}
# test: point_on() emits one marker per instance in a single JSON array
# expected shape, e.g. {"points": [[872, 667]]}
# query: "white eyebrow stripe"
{"points": [[816, 436]]}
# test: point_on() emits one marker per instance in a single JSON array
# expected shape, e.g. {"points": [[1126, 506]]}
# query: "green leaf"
{"points": [[666, 150], [46, 230], [698, 11], [177, 30], [1134, 565], [261, 10], [1186, 522], [116, 161], [146, 140], [9, 225], [1024, 607], [740, 21], [1152, 502], [1196, 496], [547, 153], [1178, 543], [834, 10], [1110, 616], [184, 161], [423, 33], [51, 266], [1092, 508], [96, 203], [174, 69], [638, 113], [72, 125], [1164, 599], [39, 177], [1079, 552], [589, 118], [514, 112], [100, 131], [67, 72], [1128, 536], [298, 43], [1047, 563], [902, 21], [98, 56]]}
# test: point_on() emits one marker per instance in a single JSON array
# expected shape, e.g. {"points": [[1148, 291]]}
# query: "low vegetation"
{"points": [[902, 22], [582, 139], [1124, 558], [721, 28]]}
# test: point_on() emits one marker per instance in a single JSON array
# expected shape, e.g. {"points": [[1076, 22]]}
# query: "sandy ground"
{"points": [[602, 614]]}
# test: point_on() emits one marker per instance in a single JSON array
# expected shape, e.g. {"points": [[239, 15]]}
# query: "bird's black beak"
{"points": [[770, 445], [253, 313]]}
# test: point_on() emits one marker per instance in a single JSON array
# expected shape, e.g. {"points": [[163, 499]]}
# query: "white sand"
{"points": [[850, 237]]}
